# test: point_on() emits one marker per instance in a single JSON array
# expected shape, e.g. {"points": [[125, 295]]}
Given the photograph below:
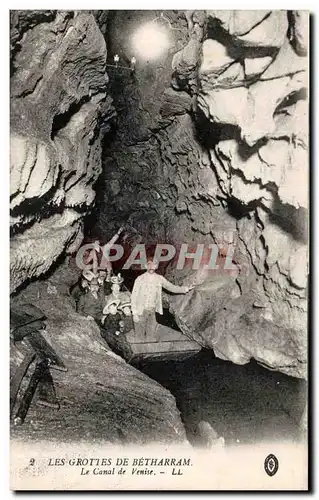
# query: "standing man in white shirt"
{"points": [[146, 299]]}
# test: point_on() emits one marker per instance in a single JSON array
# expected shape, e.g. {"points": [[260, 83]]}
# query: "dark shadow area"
{"points": [[236, 48], [245, 404], [238, 210], [290, 100], [209, 134], [293, 221], [62, 119], [167, 319], [35, 206]]}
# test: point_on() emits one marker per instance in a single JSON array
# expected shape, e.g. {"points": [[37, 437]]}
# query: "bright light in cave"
{"points": [[150, 41]]}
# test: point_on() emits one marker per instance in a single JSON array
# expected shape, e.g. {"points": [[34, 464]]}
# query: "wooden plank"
{"points": [[169, 356], [163, 344]]}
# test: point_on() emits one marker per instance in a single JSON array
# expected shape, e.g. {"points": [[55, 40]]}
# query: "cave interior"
{"points": [[200, 139]]}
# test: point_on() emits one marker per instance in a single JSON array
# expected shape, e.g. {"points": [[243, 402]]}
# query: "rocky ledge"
{"points": [[101, 396]]}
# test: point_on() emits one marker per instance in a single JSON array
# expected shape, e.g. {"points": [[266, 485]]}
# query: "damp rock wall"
{"points": [[59, 106], [249, 84], [211, 139]]}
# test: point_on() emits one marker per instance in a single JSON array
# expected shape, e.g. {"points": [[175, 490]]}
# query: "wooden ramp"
{"points": [[166, 344]]}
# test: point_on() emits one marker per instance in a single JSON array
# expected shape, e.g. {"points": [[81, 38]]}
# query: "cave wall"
{"points": [[60, 112], [59, 106], [251, 85], [213, 137]]}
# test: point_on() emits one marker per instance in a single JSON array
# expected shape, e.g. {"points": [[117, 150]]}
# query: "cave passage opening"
{"points": [[246, 404], [243, 403]]}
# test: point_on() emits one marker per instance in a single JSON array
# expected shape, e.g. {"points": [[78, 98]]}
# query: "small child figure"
{"points": [[111, 319]]}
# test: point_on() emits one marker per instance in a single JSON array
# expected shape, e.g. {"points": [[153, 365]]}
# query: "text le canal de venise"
{"points": [[124, 466]]}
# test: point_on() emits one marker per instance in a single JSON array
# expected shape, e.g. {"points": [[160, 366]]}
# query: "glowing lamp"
{"points": [[133, 62], [151, 41]]}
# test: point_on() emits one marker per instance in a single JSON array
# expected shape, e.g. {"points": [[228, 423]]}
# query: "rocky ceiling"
{"points": [[211, 137]]}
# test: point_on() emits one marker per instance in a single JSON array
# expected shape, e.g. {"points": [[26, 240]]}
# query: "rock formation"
{"points": [[211, 137], [60, 109], [223, 148], [102, 398], [251, 88], [58, 97]]}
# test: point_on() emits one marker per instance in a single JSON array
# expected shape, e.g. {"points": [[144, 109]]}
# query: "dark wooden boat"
{"points": [[169, 344]]}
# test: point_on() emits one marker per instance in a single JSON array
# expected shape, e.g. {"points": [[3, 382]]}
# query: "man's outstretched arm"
{"points": [[175, 288]]}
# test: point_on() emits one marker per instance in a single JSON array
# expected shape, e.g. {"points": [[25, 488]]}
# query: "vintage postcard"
{"points": [[159, 249]]}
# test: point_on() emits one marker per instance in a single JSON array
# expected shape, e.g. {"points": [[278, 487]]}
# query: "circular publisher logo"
{"points": [[271, 465]]}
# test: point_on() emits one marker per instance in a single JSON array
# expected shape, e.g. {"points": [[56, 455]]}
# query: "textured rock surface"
{"points": [[261, 168], [101, 396], [136, 179], [224, 149], [211, 137], [58, 93]]}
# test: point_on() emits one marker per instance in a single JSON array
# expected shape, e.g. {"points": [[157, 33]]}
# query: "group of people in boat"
{"points": [[100, 297]]}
